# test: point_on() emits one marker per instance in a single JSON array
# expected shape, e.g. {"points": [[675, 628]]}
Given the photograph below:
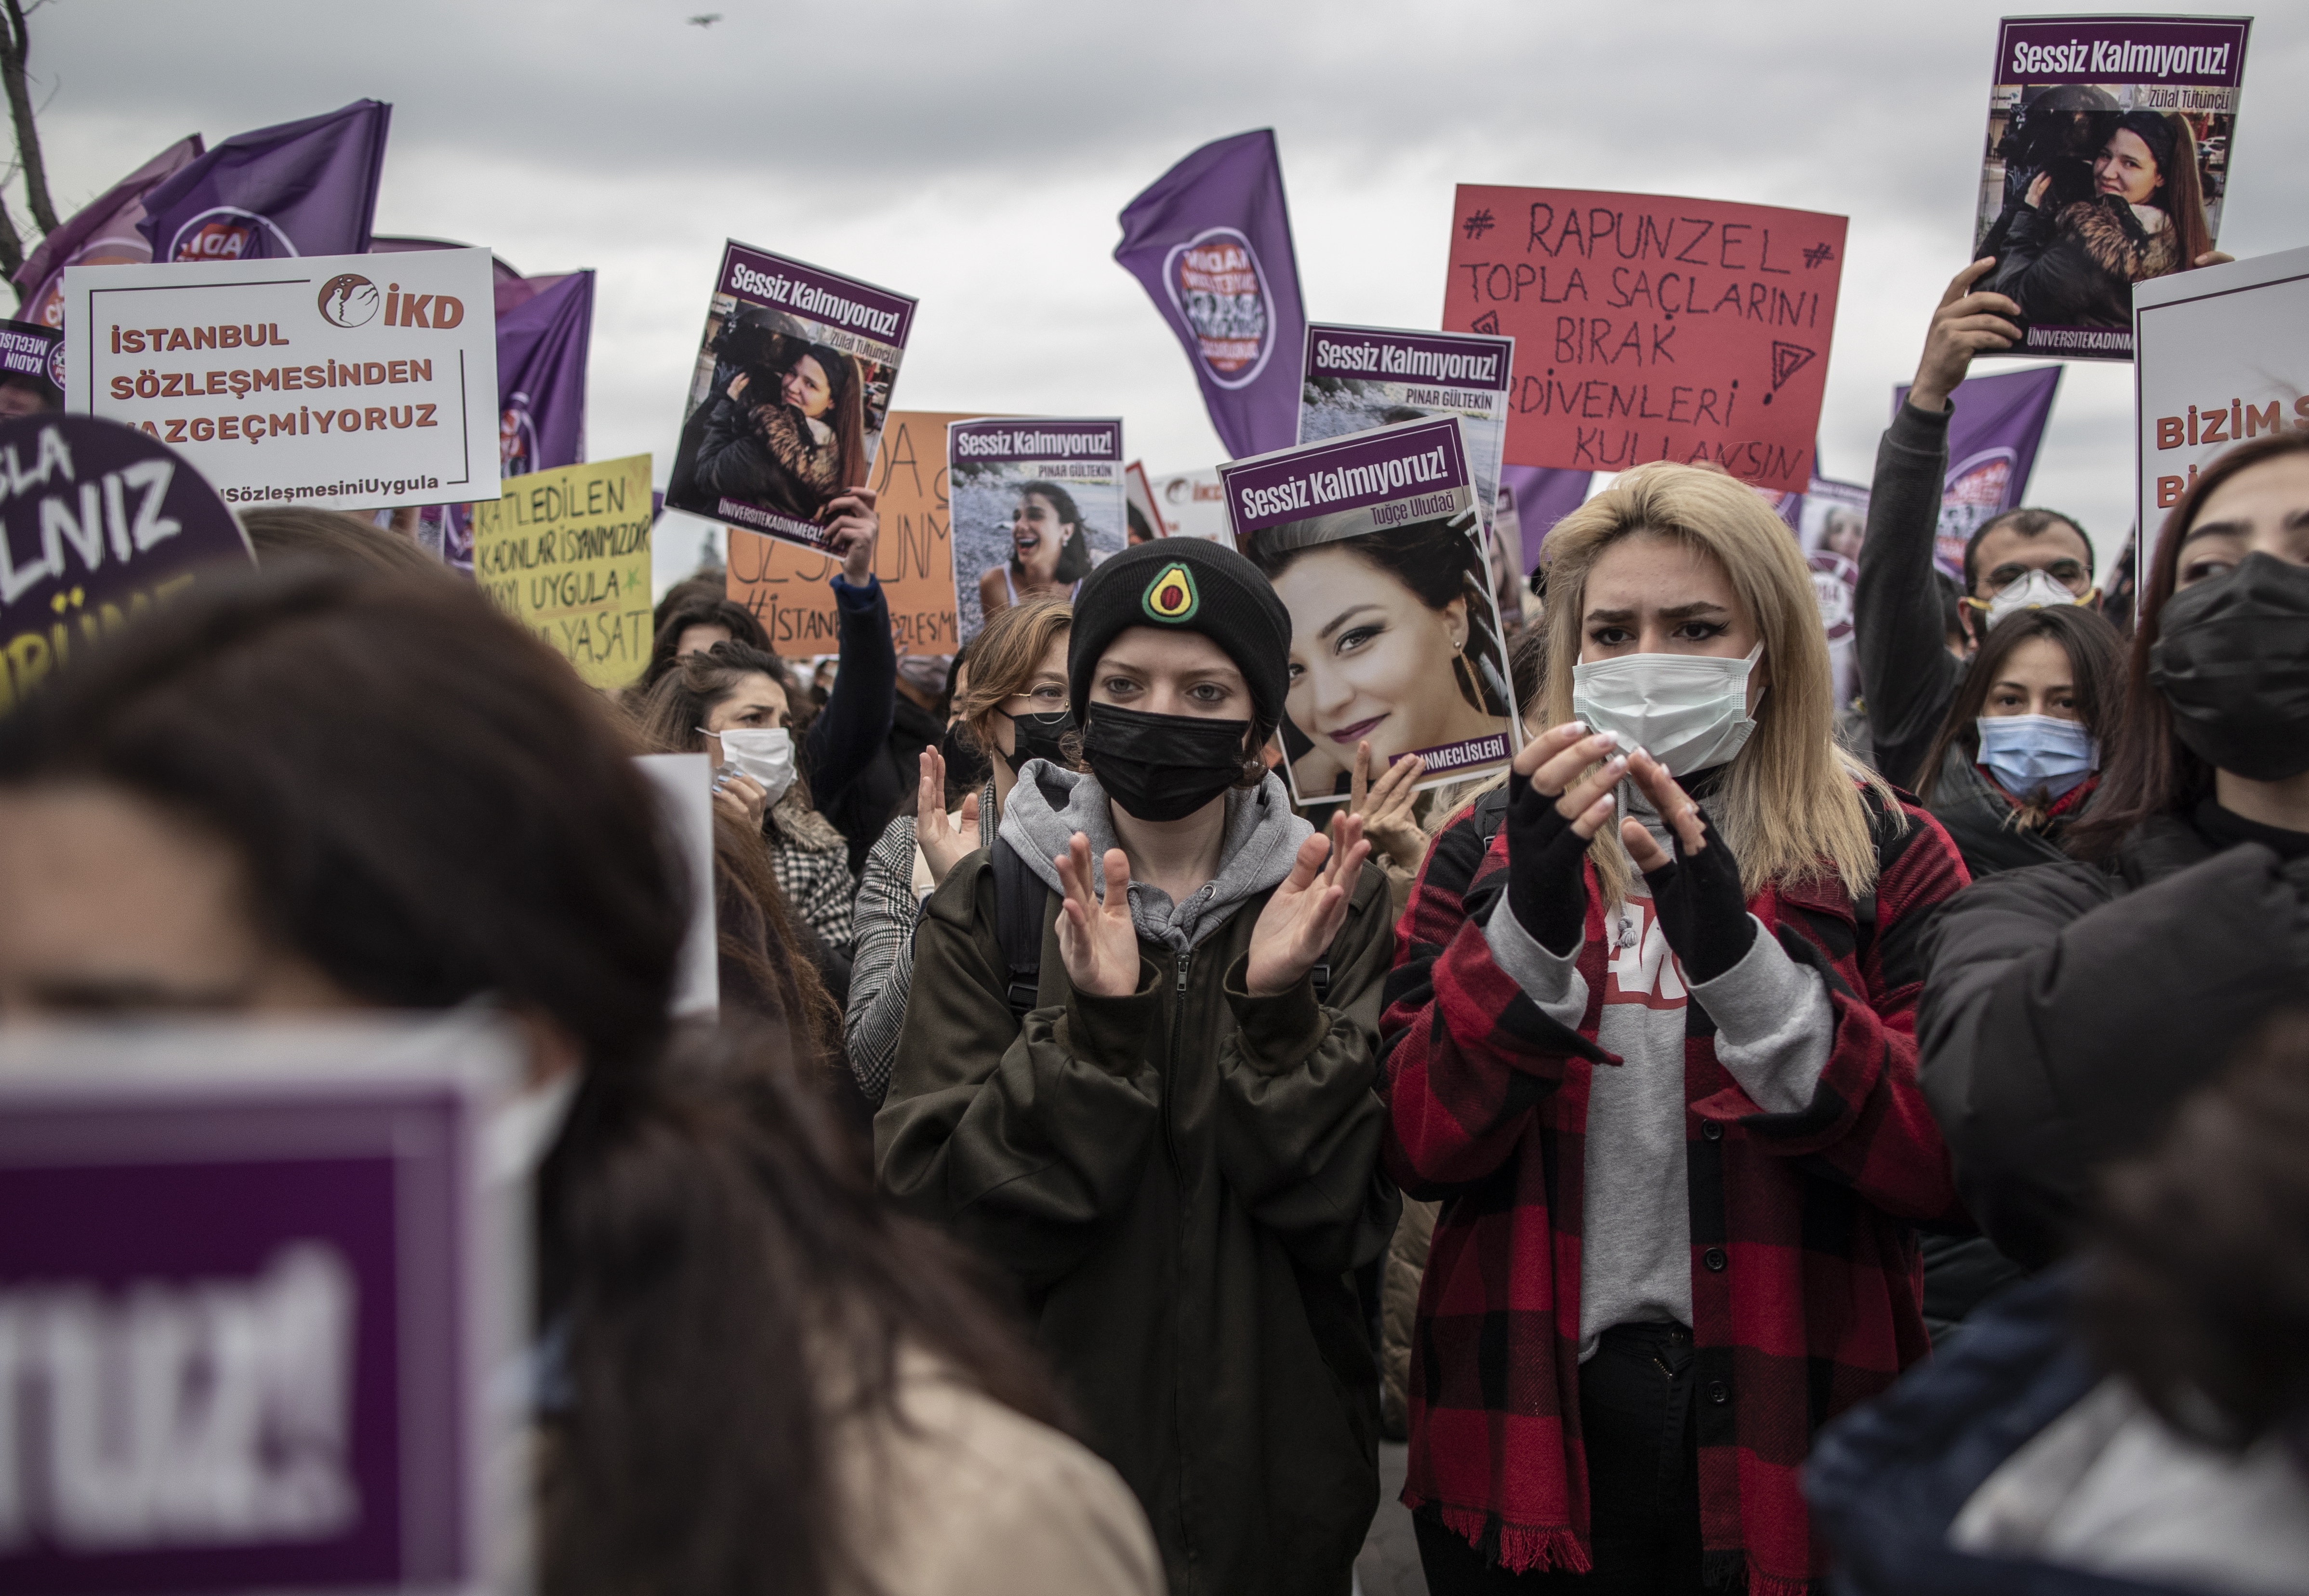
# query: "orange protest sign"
{"points": [[1651, 328], [786, 586]]}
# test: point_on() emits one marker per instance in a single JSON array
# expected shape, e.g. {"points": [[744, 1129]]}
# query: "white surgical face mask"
{"points": [[1688, 711], [2035, 591], [763, 753], [2026, 752]]}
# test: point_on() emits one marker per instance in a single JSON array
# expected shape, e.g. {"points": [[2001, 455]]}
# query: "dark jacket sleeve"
{"points": [[1300, 1118], [849, 733], [729, 459], [1908, 677], [2046, 269], [2062, 1022], [1020, 1139]]}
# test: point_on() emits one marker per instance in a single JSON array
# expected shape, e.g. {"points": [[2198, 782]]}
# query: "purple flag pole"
{"points": [[1543, 496], [103, 233], [303, 187], [1992, 448], [1210, 239]]}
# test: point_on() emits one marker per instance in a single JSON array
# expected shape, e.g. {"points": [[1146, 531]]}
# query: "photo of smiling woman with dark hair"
{"points": [[1049, 552], [1393, 641]]}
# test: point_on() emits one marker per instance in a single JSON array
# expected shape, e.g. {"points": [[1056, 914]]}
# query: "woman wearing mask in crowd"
{"points": [[1049, 552], [324, 790], [1656, 1060], [1016, 704], [1138, 1070], [2134, 1425], [2019, 756], [730, 702], [2070, 1006], [2146, 218], [1392, 641], [795, 441]]}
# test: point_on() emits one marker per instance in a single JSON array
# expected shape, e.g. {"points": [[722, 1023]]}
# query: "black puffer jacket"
{"points": [[2068, 1009], [1980, 821], [2077, 268]]}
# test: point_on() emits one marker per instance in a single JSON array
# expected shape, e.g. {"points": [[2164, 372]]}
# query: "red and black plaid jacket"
{"points": [[1806, 1288]]}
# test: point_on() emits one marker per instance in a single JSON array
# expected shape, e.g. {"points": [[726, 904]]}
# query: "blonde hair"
{"points": [[1004, 658], [1790, 806]]}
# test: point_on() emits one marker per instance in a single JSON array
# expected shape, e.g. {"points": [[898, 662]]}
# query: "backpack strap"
{"points": [[1019, 895]]}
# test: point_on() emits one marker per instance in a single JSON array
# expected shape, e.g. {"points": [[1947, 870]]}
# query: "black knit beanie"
{"points": [[1195, 586]]}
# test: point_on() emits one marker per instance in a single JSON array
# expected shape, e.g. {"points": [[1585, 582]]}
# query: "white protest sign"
{"points": [[349, 381], [684, 786], [1192, 505]]}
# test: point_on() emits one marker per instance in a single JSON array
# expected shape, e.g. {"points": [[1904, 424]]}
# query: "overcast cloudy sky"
{"points": [[975, 155]]}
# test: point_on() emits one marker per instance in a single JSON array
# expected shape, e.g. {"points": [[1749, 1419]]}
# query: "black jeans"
{"points": [[1643, 1482]]}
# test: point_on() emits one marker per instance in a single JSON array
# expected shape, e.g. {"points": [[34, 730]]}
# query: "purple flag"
{"points": [[1992, 448], [303, 187], [104, 233], [1211, 241], [1543, 496]]}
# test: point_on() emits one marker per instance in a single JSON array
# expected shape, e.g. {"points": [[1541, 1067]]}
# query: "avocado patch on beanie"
{"points": [[1171, 596]]}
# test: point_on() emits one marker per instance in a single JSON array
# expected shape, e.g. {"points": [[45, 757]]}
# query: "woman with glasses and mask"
{"points": [[1013, 701], [1649, 1042], [2071, 1007], [1138, 1072]]}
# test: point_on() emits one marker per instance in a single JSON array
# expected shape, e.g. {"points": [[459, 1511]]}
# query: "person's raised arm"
{"points": [[856, 722], [1908, 677]]}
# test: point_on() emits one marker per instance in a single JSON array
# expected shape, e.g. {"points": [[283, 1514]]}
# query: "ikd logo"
{"points": [[348, 300], [1219, 289], [227, 232]]}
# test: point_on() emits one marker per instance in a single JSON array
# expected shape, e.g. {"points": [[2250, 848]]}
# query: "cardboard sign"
{"points": [[1037, 503], [1192, 505], [2109, 145], [786, 407], [1356, 378], [347, 381], [2224, 358], [101, 523], [1652, 328], [567, 554], [255, 1284], [1373, 544], [785, 586]]}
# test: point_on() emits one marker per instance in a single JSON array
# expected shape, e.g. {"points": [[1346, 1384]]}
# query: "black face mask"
{"points": [[2232, 658], [1039, 737], [966, 762], [1163, 766]]}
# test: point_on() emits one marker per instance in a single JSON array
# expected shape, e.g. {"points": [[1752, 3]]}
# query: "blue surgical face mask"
{"points": [[2026, 753]]}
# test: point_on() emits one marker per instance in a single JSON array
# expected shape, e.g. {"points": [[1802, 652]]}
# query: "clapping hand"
{"points": [[944, 842], [1696, 891], [1096, 939], [1386, 806], [1307, 910]]}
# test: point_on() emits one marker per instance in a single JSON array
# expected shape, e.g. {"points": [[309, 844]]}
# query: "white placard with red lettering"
{"points": [[2221, 357], [346, 381]]}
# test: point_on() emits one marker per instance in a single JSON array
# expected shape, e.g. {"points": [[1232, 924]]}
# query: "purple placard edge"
{"points": [[2203, 31], [876, 303], [1336, 454], [1110, 430], [1441, 343]]}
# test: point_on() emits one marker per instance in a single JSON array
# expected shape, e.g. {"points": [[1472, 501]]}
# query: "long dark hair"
{"points": [[846, 414], [710, 609], [2180, 192], [1439, 562], [1074, 556], [429, 806], [2197, 1290], [2095, 663], [671, 712], [2147, 771]]}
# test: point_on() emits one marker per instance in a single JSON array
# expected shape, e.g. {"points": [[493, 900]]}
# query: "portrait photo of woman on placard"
{"points": [[786, 426], [1049, 552], [1393, 641]]}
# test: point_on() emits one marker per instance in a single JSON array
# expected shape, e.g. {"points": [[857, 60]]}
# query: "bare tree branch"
{"points": [[12, 248], [15, 50]]}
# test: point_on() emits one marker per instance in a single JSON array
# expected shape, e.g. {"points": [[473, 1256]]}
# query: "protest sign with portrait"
{"points": [[349, 381], [2107, 162], [1374, 545], [1037, 503], [786, 407]]}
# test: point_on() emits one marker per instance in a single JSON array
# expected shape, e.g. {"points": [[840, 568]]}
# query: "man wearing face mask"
{"points": [[1138, 1072], [2023, 559], [2070, 1007]]}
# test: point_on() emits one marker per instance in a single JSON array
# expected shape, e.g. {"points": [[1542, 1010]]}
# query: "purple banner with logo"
{"points": [[1211, 242], [254, 1285], [31, 368], [1992, 448], [543, 343], [102, 524], [103, 233], [303, 187], [1542, 496]]}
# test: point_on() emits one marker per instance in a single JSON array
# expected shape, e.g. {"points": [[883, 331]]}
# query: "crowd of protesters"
{"points": [[1744, 1152]]}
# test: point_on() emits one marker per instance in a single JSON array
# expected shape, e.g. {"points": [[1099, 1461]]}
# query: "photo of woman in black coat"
{"points": [[2074, 264], [787, 430]]}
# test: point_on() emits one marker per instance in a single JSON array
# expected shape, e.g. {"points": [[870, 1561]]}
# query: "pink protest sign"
{"points": [[1649, 328]]}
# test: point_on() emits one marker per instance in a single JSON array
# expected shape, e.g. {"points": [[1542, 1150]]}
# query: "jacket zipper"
{"points": [[1169, 1142]]}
